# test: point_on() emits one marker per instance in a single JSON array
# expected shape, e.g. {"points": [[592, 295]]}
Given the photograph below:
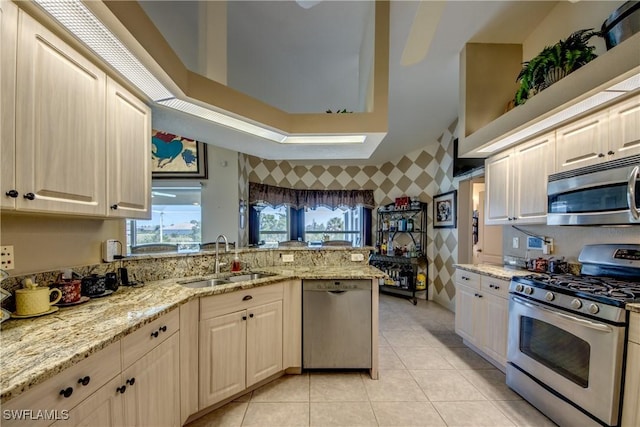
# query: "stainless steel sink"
{"points": [[247, 277], [204, 283]]}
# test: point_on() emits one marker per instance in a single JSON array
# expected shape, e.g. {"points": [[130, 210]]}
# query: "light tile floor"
{"points": [[428, 377]]}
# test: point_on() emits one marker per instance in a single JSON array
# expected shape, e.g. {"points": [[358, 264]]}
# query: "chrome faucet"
{"points": [[226, 249]]}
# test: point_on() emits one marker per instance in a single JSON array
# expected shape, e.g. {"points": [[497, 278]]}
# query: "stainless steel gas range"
{"points": [[567, 336]]}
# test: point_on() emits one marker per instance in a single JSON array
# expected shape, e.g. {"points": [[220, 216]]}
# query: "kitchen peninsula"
{"points": [[38, 351]]}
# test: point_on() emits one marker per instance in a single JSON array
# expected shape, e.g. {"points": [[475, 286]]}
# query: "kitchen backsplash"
{"points": [[567, 240], [165, 266]]}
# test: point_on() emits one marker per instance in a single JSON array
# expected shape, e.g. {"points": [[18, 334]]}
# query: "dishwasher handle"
{"points": [[336, 292]]}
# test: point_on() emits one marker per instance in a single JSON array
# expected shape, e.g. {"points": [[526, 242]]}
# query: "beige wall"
{"points": [[566, 18], [43, 243]]}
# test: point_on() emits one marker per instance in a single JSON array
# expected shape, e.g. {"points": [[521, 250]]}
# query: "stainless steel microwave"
{"points": [[603, 194]]}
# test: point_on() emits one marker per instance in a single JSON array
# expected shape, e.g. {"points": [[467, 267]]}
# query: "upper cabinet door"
{"points": [[534, 162], [583, 142], [8, 35], [499, 188], [128, 154], [60, 126], [624, 138]]}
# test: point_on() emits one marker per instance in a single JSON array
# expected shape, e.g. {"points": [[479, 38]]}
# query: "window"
{"points": [[176, 218], [274, 225], [340, 224]]}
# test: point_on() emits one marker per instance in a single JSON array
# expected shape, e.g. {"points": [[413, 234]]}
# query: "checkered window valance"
{"points": [[263, 194]]}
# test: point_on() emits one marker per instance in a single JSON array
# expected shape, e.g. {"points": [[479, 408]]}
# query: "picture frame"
{"points": [[445, 210], [177, 157]]}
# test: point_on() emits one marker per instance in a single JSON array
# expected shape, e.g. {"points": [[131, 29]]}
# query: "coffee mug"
{"points": [[71, 290], [94, 285], [35, 300]]}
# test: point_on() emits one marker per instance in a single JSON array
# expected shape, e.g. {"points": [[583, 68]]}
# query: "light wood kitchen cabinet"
{"points": [[630, 406], [69, 388], [482, 315], [516, 181], [128, 159], [60, 126], [240, 341], [104, 408], [8, 35], [624, 129], [609, 134], [152, 395]]}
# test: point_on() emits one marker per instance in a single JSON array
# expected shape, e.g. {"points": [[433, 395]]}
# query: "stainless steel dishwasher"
{"points": [[336, 324]]}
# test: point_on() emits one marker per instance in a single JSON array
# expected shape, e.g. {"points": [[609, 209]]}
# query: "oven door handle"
{"points": [[601, 327], [631, 193]]}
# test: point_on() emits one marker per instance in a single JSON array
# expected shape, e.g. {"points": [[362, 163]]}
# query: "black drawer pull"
{"points": [[247, 298], [131, 381], [85, 380], [121, 389], [29, 196], [163, 329], [155, 334], [114, 206], [67, 392], [12, 193]]}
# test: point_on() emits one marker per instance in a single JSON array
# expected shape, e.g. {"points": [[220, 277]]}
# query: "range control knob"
{"points": [[576, 303], [528, 290], [519, 288], [549, 296], [593, 309]]}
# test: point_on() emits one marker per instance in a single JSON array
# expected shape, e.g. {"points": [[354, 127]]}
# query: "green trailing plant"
{"points": [[561, 59]]}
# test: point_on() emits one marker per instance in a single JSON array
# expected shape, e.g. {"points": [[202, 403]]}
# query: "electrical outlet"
{"points": [[516, 242], [287, 257], [6, 258], [357, 257]]}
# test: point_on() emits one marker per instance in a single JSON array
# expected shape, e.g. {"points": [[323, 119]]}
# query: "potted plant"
{"points": [[555, 62]]}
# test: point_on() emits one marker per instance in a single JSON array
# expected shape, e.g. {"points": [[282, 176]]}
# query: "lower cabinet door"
{"points": [[494, 340], [223, 344], [264, 342], [102, 409], [152, 396], [468, 314]]}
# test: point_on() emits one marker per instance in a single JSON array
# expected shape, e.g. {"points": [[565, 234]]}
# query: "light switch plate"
{"points": [[6, 258], [357, 257], [287, 257], [516, 242]]}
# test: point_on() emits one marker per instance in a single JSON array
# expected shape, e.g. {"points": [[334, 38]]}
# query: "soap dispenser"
{"points": [[236, 265]]}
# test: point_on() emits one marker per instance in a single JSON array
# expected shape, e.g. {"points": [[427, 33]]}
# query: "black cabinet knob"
{"points": [[247, 298], [29, 196], [600, 154], [121, 389], [114, 206], [611, 152], [67, 392], [154, 334], [244, 317], [131, 381], [251, 315], [163, 329], [12, 193], [85, 380]]}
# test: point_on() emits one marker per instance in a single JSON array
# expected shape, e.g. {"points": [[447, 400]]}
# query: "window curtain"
{"points": [[263, 194]]}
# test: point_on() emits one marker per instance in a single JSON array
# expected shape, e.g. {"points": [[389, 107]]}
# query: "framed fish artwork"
{"points": [[175, 156]]}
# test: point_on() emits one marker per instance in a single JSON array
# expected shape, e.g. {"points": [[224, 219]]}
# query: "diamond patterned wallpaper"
{"points": [[423, 173]]}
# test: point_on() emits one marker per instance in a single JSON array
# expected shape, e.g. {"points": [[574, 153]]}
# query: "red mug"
{"points": [[71, 290]]}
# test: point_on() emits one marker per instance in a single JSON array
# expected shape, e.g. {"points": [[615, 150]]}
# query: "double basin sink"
{"points": [[206, 283]]}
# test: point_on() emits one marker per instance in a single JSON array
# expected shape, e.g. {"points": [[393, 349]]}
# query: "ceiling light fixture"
{"points": [[84, 25], [325, 139], [630, 84]]}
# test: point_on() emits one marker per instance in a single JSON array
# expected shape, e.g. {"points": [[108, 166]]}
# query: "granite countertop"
{"points": [[497, 271], [633, 307], [36, 349]]}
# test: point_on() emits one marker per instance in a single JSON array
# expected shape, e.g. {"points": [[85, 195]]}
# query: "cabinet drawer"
{"points": [[467, 278], [495, 286], [139, 343], [217, 305], [97, 369], [634, 327]]}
